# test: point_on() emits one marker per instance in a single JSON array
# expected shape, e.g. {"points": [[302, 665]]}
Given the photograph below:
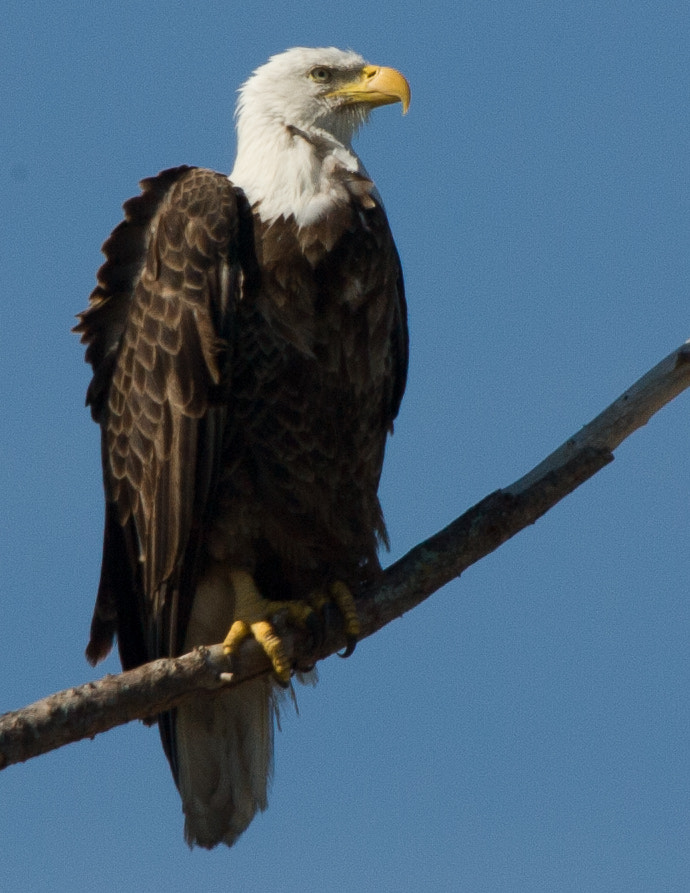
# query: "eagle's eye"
{"points": [[320, 74]]}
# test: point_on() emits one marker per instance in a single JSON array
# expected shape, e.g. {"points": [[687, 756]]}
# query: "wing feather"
{"points": [[157, 330]]}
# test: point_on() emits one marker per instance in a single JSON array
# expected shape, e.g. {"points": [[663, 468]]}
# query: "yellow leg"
{"points": [[343, 598], [253, 613], [266, 636]]}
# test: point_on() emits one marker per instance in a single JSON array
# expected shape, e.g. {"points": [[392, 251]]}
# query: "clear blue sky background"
{"points": [[527, 728]]}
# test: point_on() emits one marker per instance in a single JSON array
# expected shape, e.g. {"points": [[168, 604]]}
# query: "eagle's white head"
{"points": [[296, 118]]}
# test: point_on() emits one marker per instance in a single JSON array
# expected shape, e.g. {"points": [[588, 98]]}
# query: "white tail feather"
{"points": [[225, 749], [225, 743]]}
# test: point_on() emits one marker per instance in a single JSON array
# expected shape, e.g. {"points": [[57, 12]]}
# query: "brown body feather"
{"points": [[245, 379]]}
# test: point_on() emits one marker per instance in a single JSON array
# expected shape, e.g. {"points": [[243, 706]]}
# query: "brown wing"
{"points": [[157, 331]]}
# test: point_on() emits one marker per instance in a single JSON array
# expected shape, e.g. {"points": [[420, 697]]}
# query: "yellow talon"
{"points": [[237, 633], [267, 637], [344, 599], [254, 613]]}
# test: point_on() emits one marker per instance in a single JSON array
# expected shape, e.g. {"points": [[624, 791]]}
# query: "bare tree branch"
{"points": [[85, 711]]}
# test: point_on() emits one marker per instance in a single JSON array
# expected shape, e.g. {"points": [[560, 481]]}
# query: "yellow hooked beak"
{"points": [[375, 85]]}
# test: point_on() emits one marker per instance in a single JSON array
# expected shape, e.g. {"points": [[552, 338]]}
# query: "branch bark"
{"points": [[83, 712]]}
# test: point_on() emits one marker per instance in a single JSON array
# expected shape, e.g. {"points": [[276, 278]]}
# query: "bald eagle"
{"points": [[248, 340]]}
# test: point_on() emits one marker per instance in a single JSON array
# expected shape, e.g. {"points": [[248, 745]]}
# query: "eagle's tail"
{"points": [[224, 751], [222, 745]]}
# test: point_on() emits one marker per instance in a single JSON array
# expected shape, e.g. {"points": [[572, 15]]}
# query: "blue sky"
{"points": [[528, 728]]}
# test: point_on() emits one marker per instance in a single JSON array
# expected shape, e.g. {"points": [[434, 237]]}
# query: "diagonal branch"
{"points": [[85, 711]]}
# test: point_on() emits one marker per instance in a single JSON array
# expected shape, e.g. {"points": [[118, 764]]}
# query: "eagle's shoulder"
{"points": [[159, 214]]}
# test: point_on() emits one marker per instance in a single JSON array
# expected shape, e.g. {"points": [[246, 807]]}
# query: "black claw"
{"points": [[349, 647]]}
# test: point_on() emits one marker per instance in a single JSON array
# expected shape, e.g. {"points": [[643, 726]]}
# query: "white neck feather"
{"points": [[285, 172]]}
